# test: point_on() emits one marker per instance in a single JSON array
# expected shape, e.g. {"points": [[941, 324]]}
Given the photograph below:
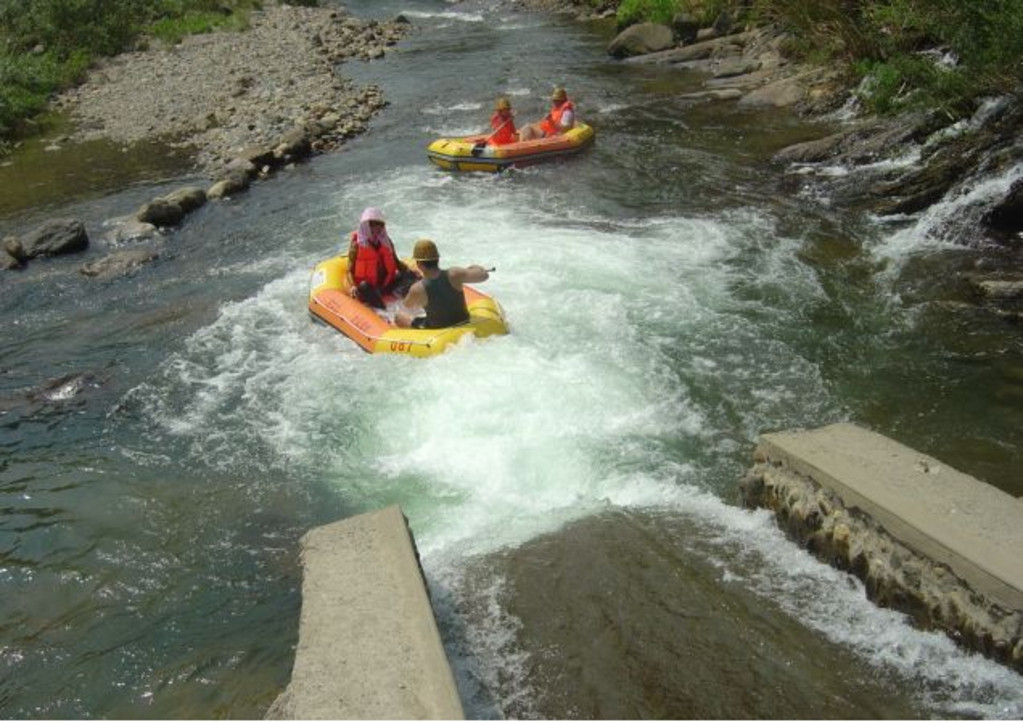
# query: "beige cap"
{"points": [[425, 250]]}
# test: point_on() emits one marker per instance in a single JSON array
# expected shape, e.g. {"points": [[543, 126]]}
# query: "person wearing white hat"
{"points": [[439, 292], [374, 269], [560, 119]]}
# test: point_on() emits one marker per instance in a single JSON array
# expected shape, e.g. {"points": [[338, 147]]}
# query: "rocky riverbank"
{"points": [[224, 92], [896, 167], [245, 104]]}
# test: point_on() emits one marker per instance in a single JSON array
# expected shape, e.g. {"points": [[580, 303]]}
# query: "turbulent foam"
{"points": [[943, 223], [631, 378]]}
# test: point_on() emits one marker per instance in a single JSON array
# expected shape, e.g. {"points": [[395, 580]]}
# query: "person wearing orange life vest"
{"points": [[374, 268], [503, 123], [560, 119]]}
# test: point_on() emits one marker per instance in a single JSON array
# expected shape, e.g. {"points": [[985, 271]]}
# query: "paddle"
{"points": [[478, 146]]}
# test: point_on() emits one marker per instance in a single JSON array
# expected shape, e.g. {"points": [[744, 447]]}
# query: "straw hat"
{"points": [[502, 104], [425, 250], [559, 94]]}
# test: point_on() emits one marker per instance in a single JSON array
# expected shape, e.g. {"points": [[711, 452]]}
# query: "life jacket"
{"points": [[504, 130], [375, 265], [445, 304], [551, 124]]}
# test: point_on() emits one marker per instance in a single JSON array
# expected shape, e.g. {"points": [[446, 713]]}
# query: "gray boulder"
{"points": [[55, 238], [293, 145], [131, 230], [641, 39], [160, 212], [12, 244], [8, 262], [231, 183], [189, 198]]}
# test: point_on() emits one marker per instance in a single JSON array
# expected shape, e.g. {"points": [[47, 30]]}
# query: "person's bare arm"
{"points": [[416, 297], [353, 251], [470, 274]]}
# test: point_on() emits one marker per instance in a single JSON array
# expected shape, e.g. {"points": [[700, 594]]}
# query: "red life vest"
{"points": [[371, 263], [551, 124], [503, 134]]}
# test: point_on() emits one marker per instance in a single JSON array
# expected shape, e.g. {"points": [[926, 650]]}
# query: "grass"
{"points": [[47, 45], [172, 30], [885, 43]]}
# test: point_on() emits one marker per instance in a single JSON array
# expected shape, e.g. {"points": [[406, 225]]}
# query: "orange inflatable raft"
{"points": [[330, 303], [469, 154]]}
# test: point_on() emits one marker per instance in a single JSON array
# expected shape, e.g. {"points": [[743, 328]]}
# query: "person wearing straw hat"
{"points": [[557, 121], [503, 123], [439, 292], [374, 269]]}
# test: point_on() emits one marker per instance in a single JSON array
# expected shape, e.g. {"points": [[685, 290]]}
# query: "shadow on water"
{"points": [[48, 170], [679, 640]]}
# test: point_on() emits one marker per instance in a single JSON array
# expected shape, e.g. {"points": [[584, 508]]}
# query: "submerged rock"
{"points": [[119, 263]]}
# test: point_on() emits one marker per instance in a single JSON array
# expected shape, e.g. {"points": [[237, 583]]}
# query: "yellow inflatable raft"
{"points": [[469, 154], [330, 303]]}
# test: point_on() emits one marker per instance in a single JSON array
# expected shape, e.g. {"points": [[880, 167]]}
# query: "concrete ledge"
{"points": [[368, 643], [926, 539]]}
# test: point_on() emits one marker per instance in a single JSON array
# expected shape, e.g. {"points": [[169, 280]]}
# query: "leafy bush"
{"points": [[655, 11], [882, 40]]}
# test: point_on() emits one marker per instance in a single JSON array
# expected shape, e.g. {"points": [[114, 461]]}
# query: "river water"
{"points": [[572, 487]]}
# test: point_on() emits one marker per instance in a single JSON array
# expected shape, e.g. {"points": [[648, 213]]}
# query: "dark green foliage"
{"points": [[655, 11], [882, 41]]}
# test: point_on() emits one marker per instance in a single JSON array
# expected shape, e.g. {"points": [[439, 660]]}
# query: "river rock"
{"points": [[8, 262], [736, 66], [999, 289], [160, 212], [714, 94], [641, 39], [188, 197], [779, 94], [55, 238], [130, 230], [240, 165], [293, 145], [119, 263], [257, 155], [12, 245], [1007, 215], [230, 184]]}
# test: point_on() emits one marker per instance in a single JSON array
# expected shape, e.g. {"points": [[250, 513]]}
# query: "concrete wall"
{"points": [[368, 643], [926, 539]]}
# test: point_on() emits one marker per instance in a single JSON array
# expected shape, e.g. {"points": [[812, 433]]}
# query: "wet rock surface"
{"points": [[893, 574]]}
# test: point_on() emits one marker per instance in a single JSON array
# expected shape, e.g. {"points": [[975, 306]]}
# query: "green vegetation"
{"points": [[46, 45], [884, 43]]}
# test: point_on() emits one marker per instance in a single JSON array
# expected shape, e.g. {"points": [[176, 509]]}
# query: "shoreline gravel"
{"points": [[225, 92]]}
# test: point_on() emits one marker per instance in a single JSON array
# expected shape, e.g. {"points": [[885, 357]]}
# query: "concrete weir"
{"points": [[368, 644], [926, 539]]}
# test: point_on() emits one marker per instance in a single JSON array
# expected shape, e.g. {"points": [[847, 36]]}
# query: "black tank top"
{"points": [[445, 306]]}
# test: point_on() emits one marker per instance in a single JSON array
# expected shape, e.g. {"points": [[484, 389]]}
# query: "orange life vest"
{"points": [[372, 263], [551, 124], [504, 130]]}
